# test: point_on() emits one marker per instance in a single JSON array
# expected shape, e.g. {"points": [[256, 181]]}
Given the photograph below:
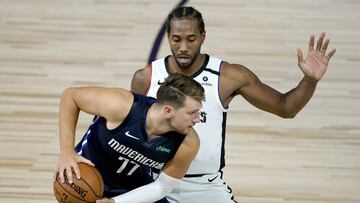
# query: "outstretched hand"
{"points": [[316, 62]]}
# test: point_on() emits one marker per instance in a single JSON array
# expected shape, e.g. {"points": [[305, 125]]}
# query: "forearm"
{"points": [[68, 116], [298, 97], [151, 192]]}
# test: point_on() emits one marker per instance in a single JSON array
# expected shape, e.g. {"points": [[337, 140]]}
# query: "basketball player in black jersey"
{"points": [[131, 135], [222, 82]]}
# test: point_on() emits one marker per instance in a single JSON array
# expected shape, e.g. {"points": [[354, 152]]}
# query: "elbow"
{"points": [[288, 116], [67, 96], [286, 109], [67, 91], [284, 113]]}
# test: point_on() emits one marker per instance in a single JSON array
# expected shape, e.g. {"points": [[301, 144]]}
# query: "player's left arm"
{"points": [[239, 80], [168, 178], [180, 163]]}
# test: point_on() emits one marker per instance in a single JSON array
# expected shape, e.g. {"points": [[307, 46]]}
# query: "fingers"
{"points": [[331, 53], [300, 56], [325, 45], [311, 43], [66, 173], [77, 171], [87, 161], [68, 167], [320, 41], [76, 168], [54, 176], [321, 45], [61, 177], [69, 175]]}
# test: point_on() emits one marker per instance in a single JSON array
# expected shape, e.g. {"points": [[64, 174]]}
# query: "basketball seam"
{"points": [[88, 186], [101, 181], [98, 196], [60, 184]]}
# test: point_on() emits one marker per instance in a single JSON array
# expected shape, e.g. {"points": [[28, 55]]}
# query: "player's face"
{"points": [[187, 116], [185, 41]]}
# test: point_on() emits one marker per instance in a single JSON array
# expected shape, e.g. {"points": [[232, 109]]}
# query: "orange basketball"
{"points": [[88, 188]]}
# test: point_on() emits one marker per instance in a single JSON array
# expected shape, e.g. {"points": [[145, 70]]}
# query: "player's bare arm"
{"points": [[239, 80], [179, 164], [173, 170], [140, 82], [111, 103]]}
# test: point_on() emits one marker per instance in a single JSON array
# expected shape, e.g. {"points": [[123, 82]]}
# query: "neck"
{"points": [[156, 124]]}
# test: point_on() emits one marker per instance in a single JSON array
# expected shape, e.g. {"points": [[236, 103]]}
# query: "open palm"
{"points": [[316, 62]]}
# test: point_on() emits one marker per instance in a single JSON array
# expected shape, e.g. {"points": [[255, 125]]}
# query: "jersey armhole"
{"points": [[225, 109], [149, 85]]}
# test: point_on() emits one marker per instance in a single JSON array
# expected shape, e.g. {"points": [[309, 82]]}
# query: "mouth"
{"points": [[184, 59]]}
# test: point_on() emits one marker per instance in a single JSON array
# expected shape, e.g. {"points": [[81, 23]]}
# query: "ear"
{"points": [[168, 111], [203, 36]]}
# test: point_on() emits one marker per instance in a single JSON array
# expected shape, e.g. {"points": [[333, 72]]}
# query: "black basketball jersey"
{"points": [[124, 155]]}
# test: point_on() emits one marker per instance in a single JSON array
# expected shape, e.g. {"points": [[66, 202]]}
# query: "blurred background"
{"points": [[49, 45]]}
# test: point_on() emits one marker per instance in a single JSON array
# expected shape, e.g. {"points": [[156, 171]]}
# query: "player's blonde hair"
{"points": [[175, 89]]}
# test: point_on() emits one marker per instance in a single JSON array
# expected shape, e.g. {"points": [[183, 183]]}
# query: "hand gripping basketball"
{"points": [[87, 189]]}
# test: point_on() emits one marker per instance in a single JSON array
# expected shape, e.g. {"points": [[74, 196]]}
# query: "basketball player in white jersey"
{"points": [[222, 81]]}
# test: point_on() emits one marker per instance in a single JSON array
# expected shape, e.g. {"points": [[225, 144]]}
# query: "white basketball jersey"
{"points": [[211, 129]]}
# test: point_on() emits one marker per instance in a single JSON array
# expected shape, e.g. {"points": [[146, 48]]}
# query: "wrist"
{"points": [[309, 80], [66, 151]]}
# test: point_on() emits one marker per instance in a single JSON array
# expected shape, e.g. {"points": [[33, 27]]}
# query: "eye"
{"points": [[195, 113], [191, 39], [176, 39]]}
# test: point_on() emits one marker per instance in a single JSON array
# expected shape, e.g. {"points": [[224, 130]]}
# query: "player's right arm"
{"points": [[140, 82], [169, 176], [111, 103]]}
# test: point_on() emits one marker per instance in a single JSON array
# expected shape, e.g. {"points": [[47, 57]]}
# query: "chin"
{"points": [[184, 131], [184, 66]]}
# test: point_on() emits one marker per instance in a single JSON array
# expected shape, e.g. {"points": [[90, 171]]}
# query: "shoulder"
{"points": [[233, 78], [227, 69], [143, 72], [140, 82], [236, 73], [119, 102]]}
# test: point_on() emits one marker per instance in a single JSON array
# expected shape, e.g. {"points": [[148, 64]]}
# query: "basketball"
{"points": [[87, 189]]}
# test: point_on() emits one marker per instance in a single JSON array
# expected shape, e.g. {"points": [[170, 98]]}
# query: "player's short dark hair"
{"points": [[185, 13], [175, 89]]}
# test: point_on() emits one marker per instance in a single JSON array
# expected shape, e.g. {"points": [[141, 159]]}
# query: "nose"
{"points": [[196, 118], [183, 46]]}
